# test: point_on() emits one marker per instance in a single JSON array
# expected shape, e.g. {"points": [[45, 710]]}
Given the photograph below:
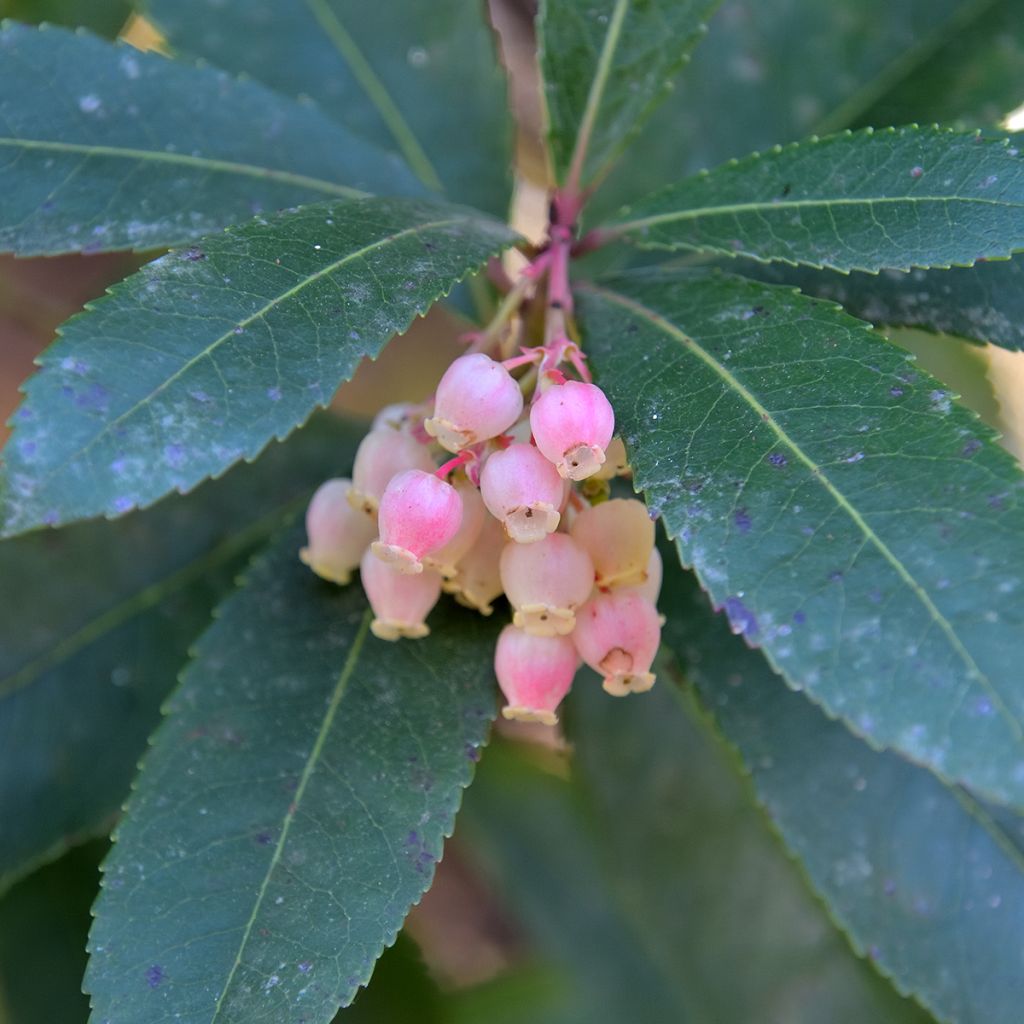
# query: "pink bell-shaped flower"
{"points": [[477, 580], [651, 585], [446, 559], [616, 462], [617, 634], [534, 673], [546, 582], [418, 515], [522, 490], [477, 399], [381, 455], [400, 601], [619, 537], [573, 424], [338, 534]]}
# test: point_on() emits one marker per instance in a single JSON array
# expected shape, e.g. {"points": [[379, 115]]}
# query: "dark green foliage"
{"points": [[853, 522], [293, 806]]}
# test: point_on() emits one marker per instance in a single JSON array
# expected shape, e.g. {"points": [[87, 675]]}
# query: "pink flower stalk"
{"points": [[477, 580], [445, 559], [617, 635], [418, 515], [400, 602], [338, 534], [534, 673], [477, 399], [546, 582], [573, 424], [522, 490], [619, 537], [381, 455]]}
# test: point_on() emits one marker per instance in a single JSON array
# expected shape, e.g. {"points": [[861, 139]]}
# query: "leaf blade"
{"points": [[415, 78], [235, 343], [330, 766], [109, 148], [776, 482], [894, 853], [106, 643], [983, 303], [605, 68], [794, 68], [895, 199]]}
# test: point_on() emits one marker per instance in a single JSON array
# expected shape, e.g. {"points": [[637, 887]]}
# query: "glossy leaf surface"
{"points": [[420, 79], [292, 807], [924, 879], [853, 522], [791, 68], [103, 147], [97, 622], [901, 198], [209, 353]]}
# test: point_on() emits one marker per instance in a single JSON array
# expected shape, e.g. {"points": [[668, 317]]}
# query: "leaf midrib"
{"points": [[231, 333], [764, 415], [377, 93], [595, 94], [761, 206], [188, 160], [340, 687], [142, 600]]}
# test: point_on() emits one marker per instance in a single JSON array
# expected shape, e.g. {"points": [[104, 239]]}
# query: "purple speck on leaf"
{"points": [[741, 518], [777, 459], [274, 394], [916, 172], [972, 446], [154, 975], [896, 392], [742, 619]]}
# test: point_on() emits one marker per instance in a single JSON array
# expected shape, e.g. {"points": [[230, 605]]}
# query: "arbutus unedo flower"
{"points": [[400, 601], [498, 484], [382, 454], [617, 634], [418, 515], [573, 424], [546, 582], [477, 399], [619, 537], [523, 490], [338, 533], [534, 673]]}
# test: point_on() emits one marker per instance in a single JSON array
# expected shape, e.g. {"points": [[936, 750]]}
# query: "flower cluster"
{"points": [[521, 508]]}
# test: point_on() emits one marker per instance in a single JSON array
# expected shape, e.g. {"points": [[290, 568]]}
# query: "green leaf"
{"points": [[923, 878], [853, 521], [106, 17], [899, 198], [983, 303], [531, 833], [98, 620], [419, 78], [103, 147], [652, 875], [790, 68], [292, 807], [44, 922], [208, 353], [606, 65], [704, 878], [400, 991], [970, 72]]}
